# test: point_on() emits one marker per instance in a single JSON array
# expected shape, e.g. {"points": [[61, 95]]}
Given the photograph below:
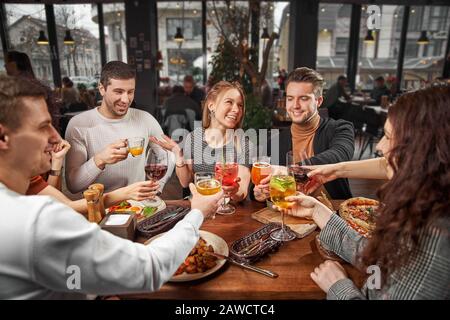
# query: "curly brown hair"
{"points": [[419, 190]]}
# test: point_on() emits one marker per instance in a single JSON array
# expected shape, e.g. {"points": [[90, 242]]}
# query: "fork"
{"points": [[262, 245], [254, 244]]}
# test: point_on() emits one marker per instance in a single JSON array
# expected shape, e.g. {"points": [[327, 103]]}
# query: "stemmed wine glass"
{"points": [[282, 186], [295, 163], [226, 170], [155, 169]]}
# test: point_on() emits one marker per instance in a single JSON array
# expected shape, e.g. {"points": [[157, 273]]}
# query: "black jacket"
{"points": [[333, 143], [178, 102]]}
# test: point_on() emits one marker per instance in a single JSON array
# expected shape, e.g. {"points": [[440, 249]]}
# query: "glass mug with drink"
{"points": [[282, 186], [135, 146], [207, 184]]}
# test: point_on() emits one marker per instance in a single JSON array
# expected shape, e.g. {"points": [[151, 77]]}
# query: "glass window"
{"points": [[180, 58], [2, 64], [282, 14], [115, 32], [25, 21], [273, 17], [411, 49], [424, 62], [80, 61], [276, 17], [333, 40], [379, 57], [192, 28], [341, 46]]}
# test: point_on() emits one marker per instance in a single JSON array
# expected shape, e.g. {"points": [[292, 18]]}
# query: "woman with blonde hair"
{"points": [[223, 113]]}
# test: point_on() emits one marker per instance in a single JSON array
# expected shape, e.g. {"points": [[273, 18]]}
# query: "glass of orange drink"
{"points": [[206, 183], [260, 169], [136, 146]]}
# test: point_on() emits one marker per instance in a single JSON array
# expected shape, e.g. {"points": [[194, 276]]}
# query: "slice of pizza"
{"points": [[360, 213]]}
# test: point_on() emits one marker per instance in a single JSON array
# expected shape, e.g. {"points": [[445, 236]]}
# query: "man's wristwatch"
{"points": [[55, 173]]}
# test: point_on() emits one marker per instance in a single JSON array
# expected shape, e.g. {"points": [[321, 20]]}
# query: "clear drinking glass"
{"points": [[226, 171], [135, 146], [295, 167], [155, 169], [207, 184], [261, 169], [282, 186]]}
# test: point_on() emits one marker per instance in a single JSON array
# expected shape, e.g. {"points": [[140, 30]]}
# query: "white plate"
{"points": [[219, 245], [162, 206], [156, 203]]}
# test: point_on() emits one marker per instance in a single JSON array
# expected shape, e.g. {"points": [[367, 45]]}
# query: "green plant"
{"points": [[256, 115]]}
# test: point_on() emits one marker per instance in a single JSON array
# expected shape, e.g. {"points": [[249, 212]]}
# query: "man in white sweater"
{"points": [[98, 136], [47, 250]]}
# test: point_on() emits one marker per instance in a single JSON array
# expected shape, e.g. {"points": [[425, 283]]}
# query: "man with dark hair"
{"points": [[192, 91], [99, 150], [379, 89], [324, 140], [331, 101], [45, 246]]}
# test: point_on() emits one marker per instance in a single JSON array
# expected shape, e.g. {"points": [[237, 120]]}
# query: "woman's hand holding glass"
{"points": [[322, 174], [309, 208], [231, 191], [140, 191]]}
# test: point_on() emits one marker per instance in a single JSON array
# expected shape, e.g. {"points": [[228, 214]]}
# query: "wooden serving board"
{"points": [[302, 227]]}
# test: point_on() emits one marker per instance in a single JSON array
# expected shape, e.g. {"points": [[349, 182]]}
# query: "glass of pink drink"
{"points": [[227, 173]]}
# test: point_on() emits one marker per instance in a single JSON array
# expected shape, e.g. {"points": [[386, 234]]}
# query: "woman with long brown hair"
{"points": [[411, 242]]}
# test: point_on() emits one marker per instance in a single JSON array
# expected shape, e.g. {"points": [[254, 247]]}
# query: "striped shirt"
{"points": [[89, 133], [204, 157], [426, 276]]}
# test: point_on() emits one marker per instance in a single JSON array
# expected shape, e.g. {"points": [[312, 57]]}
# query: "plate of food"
{"points": [[199, 264], [360, 214], [138, 208]]}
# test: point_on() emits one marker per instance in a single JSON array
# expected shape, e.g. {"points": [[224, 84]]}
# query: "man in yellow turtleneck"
{"points": [[324, 140]]}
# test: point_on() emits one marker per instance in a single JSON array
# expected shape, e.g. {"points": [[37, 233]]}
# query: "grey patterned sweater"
{"points": [[426, 276]]}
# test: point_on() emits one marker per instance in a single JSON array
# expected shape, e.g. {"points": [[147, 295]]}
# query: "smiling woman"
{"points": [[223, 113]]}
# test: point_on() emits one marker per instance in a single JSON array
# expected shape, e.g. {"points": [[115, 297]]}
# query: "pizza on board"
{"points": [[360, 213]]}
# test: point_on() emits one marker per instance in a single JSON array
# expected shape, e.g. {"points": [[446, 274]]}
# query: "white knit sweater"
{"points": [[89, 133]]}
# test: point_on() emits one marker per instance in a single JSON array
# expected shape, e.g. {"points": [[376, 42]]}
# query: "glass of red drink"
{"points": [[295, 164], [155, 169]]}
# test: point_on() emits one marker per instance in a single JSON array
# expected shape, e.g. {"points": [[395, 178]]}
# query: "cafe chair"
{"points": [[173, 122], [371, 132]]}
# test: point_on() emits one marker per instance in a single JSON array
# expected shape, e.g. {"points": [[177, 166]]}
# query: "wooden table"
{"points": [[294, 261]]}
